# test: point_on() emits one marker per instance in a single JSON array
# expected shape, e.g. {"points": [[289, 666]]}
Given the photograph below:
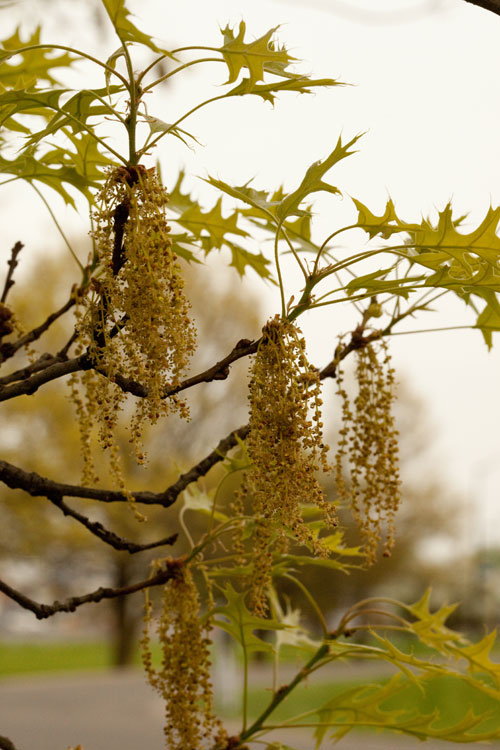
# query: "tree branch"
{"points": [[42, 611], [218, 371], [55, 369], [12, 263], [8, 349], [50, 372], [357, 341], [39, 486], [492, 5], [105, 535], [6, 744]]}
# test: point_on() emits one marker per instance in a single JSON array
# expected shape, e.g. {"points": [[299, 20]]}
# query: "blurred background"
{"points": [[424, 86]]}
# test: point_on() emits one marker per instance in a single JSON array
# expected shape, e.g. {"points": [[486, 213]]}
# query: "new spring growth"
{"points": [[286, 449], [136, 319], [369, 443]]}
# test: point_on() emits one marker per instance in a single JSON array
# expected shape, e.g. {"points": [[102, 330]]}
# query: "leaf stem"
{"points": [[58, 226], [131, 121], [443, 328], [330, 237], [278, 271], [95, 60], [293, 251], [312, 601], [283, 692], [172, 72], [184, 117]]}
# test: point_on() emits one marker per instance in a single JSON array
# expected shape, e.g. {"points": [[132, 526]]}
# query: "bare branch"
{"points": [[218, 371], [50, 372], [8, 349], [105, 535], [37, 486], [357, 341], [6, 744], [54, 369], [12, 263], [492, 5], [42, 611], [23, 373]]}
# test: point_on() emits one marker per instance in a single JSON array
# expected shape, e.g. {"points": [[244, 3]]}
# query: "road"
{"points": [[119, 711]]}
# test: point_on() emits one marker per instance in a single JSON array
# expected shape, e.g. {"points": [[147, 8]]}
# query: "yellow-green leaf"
{"points": [[125, 29], [257, 56]]}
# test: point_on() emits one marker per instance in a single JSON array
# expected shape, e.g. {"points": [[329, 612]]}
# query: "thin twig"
{"points": [[9, 281], [492, 5], [105, 535], [51, 372], [39, 486], [57, 369], [357, 341], [42, 611], [8, 349], [43, 361], [218, 371]]}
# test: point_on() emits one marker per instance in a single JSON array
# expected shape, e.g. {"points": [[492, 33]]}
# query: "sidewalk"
{"points": [[119, 711]]}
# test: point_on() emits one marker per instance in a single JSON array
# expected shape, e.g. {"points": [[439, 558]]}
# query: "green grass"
{"points": [[452, 698], [23, 658]]}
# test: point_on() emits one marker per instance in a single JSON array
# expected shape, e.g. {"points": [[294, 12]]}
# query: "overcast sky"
{"points": [[426, 89]]}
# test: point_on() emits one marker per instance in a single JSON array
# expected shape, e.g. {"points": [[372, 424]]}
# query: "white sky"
{"points": [[427, 90]]}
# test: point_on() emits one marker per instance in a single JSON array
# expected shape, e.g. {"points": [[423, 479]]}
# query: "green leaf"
{"points": [[125, 29], [367, 706], [478, 656], [193, 498], [259, 199], [257, 57], [430, 626], [185, 246], [158, 126], [32, 102], [177, 200], [267, 91], [75, 113], [376, 283], [313, 182], [489, 321], [236, 619], [30, 168], [86, 157], [35, 64], [241, 259], [384, 225], [320, 562], [211, 222], [111, 63], [466, 263]]}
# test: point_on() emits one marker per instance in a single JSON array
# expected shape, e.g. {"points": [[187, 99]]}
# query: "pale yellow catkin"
{"points": [[134, 321], [183, 680], [368, 443], [286, 449]]}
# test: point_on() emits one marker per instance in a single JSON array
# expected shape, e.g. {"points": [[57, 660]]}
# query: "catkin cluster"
{"points": [[369, 442], [134, 323], [286, 450], [184, 677]]}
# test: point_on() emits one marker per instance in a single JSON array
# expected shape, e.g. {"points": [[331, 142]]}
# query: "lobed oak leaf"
{"points": [[257, 56], [127, 31]]}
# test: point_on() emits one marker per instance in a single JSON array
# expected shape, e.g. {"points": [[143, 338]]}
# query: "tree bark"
{"points": [[491, 5]]}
